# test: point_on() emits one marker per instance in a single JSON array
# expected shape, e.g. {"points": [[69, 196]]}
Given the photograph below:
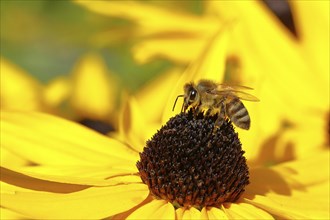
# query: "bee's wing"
{"points": [[232, 87], [234, 93]]}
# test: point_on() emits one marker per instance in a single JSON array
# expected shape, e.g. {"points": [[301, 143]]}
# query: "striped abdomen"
{"points": [[237, 113]]}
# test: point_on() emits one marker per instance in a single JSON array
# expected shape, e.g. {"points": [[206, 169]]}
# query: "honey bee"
{"points": [[212, 98]]}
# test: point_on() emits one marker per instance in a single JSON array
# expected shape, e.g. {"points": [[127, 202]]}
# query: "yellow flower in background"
{"points": [[88, 93], [94, 90], [170, 34], [290, 74], [18, 90]]}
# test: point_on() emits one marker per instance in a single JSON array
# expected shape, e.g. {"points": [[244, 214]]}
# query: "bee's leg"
{"points": [[194, 111], [208, 112], [203, 109], [221, 115]]}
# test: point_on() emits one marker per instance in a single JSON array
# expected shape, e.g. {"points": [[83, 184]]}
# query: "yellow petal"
{"points": [[19, 91], [180, 50], [204, 214], [166, 211], [133, 127], [214, 213], [311, 204], [171, 34], [300, 140], [307, 171], [246, 211], [156, 209], [9, 188], [92, 203], [188, 213], [209, 65], [99, 172], [7, 214], [26, 178], [290, 187], [162, 86], [45, 139], [11, 159], [179, 213], [306, 139], [191, 213], [312, 21], [28, 182], [93, 89], [286, 177]]}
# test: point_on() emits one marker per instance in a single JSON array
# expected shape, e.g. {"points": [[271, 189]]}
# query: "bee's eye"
{"points": [[192, 94]]}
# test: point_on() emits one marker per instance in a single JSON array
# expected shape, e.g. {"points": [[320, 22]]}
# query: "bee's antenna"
{"points": [[176, 100]]}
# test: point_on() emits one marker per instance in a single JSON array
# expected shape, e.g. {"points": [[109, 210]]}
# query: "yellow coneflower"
{"points": [[183, 172], [79, 96]]}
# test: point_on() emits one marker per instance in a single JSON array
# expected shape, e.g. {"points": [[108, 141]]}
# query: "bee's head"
{"points": [[191, 96]]}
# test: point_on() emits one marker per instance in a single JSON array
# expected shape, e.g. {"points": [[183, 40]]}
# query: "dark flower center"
{"points": [[189, 163]]}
